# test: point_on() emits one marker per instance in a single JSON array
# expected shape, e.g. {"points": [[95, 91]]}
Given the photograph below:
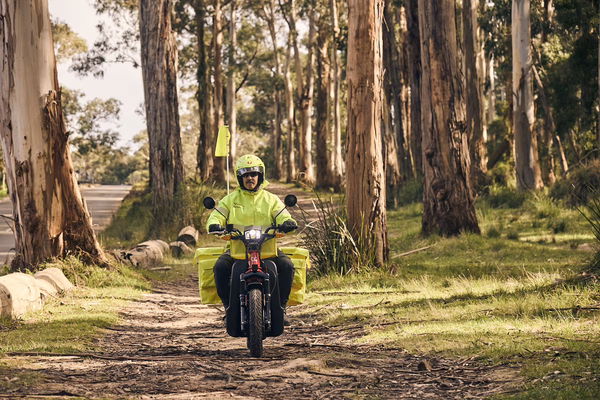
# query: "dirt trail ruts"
{"points": [[169, 346]]}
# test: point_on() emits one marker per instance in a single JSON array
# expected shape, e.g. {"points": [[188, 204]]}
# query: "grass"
{"points": [[496, 297]]}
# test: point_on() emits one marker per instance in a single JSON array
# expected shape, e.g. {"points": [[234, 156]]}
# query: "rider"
{"points": [[251, 204]]}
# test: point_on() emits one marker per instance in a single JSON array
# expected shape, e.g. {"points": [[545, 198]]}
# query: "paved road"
{"points": [[102, 201]]}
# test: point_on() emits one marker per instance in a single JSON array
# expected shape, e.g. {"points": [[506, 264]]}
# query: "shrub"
{"points": [[504, 197], [512, 235], [558, 225], [332, 247], [577, 188], [493, 232], [411, 192], [591, 213]]}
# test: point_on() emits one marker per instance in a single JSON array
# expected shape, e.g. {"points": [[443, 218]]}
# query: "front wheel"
{"points": [[256, 326]]}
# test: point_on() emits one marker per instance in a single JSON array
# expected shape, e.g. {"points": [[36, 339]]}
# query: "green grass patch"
{"points": [[70, 323], [507, 296]]}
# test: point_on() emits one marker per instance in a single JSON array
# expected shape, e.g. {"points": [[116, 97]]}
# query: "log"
{"points": [[188, 235], [46, 289], [145, 255], [56, 278], [164, 246], [19, 294], [180, 249]]}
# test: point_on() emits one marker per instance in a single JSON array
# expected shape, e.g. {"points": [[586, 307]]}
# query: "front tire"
{"points": [[256, 326]]}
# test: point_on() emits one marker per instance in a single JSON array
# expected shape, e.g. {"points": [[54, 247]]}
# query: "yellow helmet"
{"points": [[249, 163]]}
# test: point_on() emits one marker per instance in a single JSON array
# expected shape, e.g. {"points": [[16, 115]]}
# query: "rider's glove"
{"points": [[215, 228], [288, 226]]}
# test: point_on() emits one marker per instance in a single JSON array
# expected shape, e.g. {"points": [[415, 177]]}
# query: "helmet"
{"points": [[249, 163]]}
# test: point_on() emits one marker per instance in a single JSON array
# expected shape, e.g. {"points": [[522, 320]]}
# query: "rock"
{"points": [[56, 278], [19, 294], [188, 235]]}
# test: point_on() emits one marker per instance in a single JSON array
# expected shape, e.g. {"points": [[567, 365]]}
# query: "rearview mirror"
{"points": [[290, 200], [209, 203]]}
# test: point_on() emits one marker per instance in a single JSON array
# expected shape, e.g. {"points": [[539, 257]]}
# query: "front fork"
{"points": [[255, 277]]}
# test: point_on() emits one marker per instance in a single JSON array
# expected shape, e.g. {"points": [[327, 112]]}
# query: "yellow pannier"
{"points": [[205, 258], [301, 260]]}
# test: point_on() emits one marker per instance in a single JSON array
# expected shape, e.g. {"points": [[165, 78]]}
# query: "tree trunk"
{"points": [[304, 93], [473, 92], [322, 123], [231, 103], [393, 130], [50, 216], [204, 155], [219, 162], [277, 141], [159, 71], [306, 103], [448, 207], [365, 187], [548, 132], [336, 73], [289, 105], [414, 73], [527, 165]]}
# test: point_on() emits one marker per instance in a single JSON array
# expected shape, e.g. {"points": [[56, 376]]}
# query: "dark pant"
{"points": [[285, 272]]}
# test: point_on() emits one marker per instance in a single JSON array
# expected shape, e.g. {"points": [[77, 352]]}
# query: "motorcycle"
{"points": [[254, 308]]}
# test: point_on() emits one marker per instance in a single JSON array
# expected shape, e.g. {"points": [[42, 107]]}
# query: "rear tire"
{"points": [[256, 326]]}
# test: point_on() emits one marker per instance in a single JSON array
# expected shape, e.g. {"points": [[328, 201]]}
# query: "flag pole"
{"points": [[228, 173]]}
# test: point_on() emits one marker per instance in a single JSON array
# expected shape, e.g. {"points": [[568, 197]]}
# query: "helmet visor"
{"points": [[243, 171]]}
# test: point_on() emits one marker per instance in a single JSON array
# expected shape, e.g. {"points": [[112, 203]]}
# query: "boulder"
{"points": [[56, 278], [19, 294]]}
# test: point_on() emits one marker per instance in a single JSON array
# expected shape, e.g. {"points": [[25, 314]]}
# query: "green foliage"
{"points": [[410, 192], [591, 212], [332, 248], [95, 157], [66, 42], [577, 188], [504, 197], [501, 301], [132, 222]]}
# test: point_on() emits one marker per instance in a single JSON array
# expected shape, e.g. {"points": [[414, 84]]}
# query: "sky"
{"points": [[121, 81]]}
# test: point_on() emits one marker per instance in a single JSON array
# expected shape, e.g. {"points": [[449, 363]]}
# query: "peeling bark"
{"points": [[50, 217]]}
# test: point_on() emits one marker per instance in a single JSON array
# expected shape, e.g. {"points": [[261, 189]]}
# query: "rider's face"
{"points": [[250, 180]]}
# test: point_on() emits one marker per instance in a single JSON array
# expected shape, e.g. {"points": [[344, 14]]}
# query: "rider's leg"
{"points": [[222, 271], [285, 270]]}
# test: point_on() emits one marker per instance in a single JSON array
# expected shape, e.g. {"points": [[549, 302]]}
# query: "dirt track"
{"points": [[171, 347]]}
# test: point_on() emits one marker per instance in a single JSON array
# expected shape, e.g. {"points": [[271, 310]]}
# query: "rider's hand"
{"points": [[288, 226], [215, 228]]}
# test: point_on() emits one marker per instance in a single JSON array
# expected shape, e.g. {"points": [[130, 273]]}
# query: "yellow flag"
{"points": [[222, 149]]}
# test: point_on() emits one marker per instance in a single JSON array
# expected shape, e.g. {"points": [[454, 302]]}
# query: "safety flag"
{"points": [[223, 138]]}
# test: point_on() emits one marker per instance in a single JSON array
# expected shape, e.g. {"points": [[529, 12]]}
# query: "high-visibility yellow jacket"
{"points": [[245, 208]]}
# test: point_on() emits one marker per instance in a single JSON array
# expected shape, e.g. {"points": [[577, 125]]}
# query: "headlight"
{"points": [[252, 234]]}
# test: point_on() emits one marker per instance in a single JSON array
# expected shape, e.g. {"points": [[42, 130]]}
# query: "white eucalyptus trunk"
{"points": [[50, 217]]}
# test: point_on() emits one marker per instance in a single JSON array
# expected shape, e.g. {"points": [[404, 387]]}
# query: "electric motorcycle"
{"points": [[254, 311]]}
